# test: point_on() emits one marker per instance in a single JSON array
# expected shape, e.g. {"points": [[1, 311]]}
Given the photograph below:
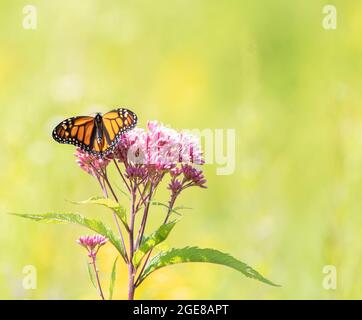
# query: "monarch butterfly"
{"points": [[96, 135]]}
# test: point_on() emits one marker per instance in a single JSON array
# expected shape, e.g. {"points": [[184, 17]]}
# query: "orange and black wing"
{"points": [[94, 137], [116, 123], [78, 131]]}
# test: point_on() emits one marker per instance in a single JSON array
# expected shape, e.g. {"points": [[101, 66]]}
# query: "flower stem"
{"points": [[97, 277], [144, 219], [172, 202], [105, 193], [170, 207], [122, 176], [138, 280], [131, 269], [131, 285]]}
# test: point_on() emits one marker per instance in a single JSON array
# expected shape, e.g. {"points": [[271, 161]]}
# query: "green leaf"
{"points": [[110, 204], [91, 276], [113, 279], [94, 225], [181, 208], [152, 241], [157, 203], [195, 254]]}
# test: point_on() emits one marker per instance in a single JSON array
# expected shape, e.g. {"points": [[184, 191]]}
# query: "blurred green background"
{"points": [[268, 69]]}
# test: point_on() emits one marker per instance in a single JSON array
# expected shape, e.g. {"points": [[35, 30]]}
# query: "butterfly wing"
{"points": [[78, 131], [94, 137], [116, 123]]}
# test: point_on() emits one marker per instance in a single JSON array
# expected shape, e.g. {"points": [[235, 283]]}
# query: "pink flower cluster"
{"points": [[143, 158], [90, 163], [92, 243], [159, 146], [150, 154]]}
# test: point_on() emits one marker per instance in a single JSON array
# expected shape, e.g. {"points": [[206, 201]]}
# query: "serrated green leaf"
{"points": [[108, 203], [152, 241], [113, 279], [94, 225], [195, 254], [91, 276]]}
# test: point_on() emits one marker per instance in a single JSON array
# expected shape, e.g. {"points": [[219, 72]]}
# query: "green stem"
{"points": [[131, 269], [105, 193], [144, 219], [172, 203], [97, 277]]}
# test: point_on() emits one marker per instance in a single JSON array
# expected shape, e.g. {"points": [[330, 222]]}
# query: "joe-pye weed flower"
{"points": [[142, 159]]}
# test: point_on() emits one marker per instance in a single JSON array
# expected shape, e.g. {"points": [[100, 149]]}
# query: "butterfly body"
{"points": [[97, 135], [99, 127]]}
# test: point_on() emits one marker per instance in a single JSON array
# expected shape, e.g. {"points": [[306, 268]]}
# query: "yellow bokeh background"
{"points": [[268, 69]]}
